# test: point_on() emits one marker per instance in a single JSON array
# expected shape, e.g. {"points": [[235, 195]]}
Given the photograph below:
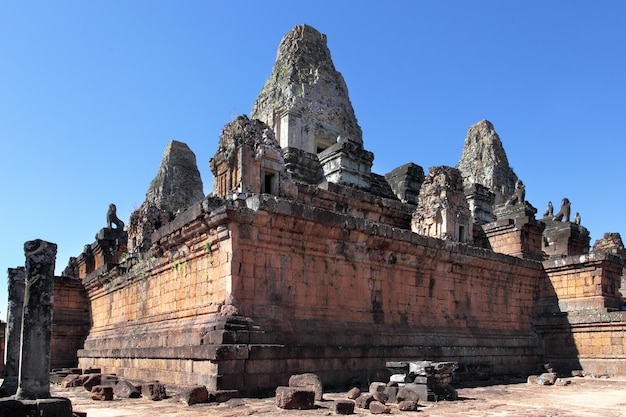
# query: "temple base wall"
{"points": [[242, 298]]}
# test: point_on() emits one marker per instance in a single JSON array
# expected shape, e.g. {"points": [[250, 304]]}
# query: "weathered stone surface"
{"points": [[292, 398], [154, 391], [547, 378], [304, 81], [412, 392], [91, 381], [127, 389], [377, 407], [221, 396], [194, 395], [177, 184], [406, 181], [483, 161], [248, 160], [353, 393], [34, 379], [380, 396], [407, 405], [376, 386], [611, 243], [71, 380], [143, 222], [305, 101], [102, 393], [109, 380], [309, 381], [392, 393], [364, 400], [442, 210], [16, 286], [343, 407]]}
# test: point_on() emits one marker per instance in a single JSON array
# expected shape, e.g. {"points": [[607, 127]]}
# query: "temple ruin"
{"points": [[303, 260]]}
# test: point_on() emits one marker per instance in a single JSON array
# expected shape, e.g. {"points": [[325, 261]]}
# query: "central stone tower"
{"points": [[305, 101]]}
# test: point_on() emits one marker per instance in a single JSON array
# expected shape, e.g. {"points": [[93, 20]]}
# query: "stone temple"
{"points": [[304, 260]]}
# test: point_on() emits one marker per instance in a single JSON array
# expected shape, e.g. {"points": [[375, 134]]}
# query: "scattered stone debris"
{"points": [[309, 381], [376, 407], [429, 381], [194, 395], [343, 407], [293, 398], [102, 393]]}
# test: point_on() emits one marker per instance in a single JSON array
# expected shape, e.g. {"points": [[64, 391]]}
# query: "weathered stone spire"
{"points": [[305, 85], [177, 184], [484, 162]]}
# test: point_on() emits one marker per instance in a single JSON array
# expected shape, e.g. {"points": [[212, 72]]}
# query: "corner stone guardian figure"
{"points": [[564, 212], [519, 196], [549, 211], [113, 219]]}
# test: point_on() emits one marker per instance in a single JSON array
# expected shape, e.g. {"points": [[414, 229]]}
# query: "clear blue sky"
{"points": [[91, 92]]}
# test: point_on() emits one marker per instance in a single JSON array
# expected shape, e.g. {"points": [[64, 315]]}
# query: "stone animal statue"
{"points": [[549, 211], [519, 195], [564, 212], [112, 218]]}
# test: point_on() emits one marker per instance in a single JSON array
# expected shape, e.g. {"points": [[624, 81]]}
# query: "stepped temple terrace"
{"points": [[303, 260]]}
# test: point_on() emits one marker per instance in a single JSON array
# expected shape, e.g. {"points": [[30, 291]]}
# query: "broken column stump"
{"points": [[34, 378], [16, 286]]}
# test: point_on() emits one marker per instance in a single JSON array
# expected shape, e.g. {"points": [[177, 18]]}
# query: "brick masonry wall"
{"points": [[248, 297], [70, 321], [578, 314]]}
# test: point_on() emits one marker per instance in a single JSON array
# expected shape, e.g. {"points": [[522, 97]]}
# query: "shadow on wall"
{"points": [[554, 330]]}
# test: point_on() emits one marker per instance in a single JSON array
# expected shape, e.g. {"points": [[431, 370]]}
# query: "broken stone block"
{"points": [[547, 378], [221, 396], [380, 396], [532, 379], [392, 394], [578, 372], [343, 407], [109, 379], [153, 390], [102, 393], [293, 398], [377, 386], [71, 380], [379, 408], [354, 393], [92, 371], [126, 389], [364, 401], [91, 381], [407, 406], [560, 382], [309, 381], [412, 392], [194, 395]]}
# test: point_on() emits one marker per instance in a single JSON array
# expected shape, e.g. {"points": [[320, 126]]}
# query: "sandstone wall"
{"points": [[70, 321], [288, 288], [578, 315]]}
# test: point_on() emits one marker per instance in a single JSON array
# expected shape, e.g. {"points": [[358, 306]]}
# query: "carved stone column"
{"points": [[16, 286], [34, 374]]}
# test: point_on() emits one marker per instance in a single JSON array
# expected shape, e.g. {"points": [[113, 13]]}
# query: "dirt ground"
{"points": [[583, 397]]}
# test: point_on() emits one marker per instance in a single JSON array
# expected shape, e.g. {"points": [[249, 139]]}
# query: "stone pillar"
{"points": [[16, 286], [34, 374]]}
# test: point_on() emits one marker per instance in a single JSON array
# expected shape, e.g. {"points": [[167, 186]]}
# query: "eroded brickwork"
{"points": [[285, 280]]}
